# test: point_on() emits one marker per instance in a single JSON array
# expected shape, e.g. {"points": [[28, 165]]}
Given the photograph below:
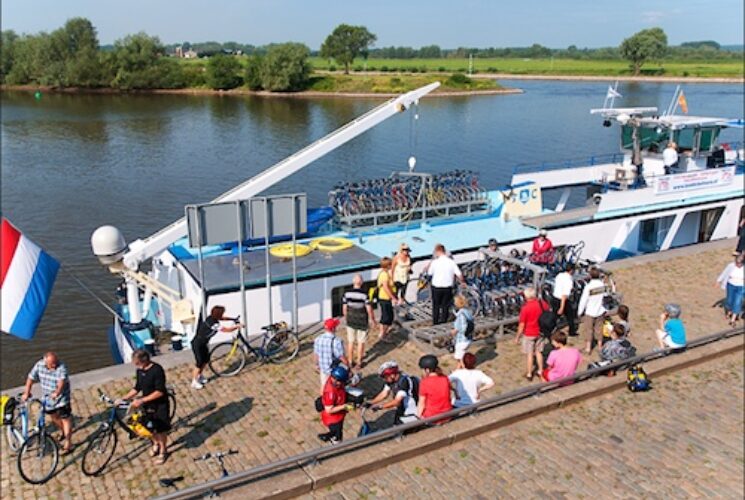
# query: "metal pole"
{"points": [[241, 237], [294, 263], [200, 258], [268, 263]]}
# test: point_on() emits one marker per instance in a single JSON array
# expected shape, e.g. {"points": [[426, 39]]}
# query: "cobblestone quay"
{"points": [[266, 412]]}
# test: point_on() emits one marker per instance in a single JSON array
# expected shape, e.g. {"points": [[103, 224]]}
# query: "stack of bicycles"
{"points": [[406, 196]]}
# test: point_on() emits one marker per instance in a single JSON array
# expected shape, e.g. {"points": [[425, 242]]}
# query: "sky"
{"points": [[447, 23]]}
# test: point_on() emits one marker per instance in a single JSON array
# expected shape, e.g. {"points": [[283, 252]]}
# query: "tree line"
{"points": [[71, 57]]}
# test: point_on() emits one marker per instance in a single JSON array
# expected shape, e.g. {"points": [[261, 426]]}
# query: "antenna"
{"points": [[673, 103]]}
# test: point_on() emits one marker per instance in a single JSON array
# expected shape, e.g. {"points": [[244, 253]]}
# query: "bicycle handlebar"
{"points": [[217, 454]]}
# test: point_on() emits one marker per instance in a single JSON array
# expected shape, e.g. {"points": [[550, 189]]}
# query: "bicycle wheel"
{"points": [[14, 433], [227, 359], [282, 347], [38, 458], [99, 451], [171, 406]]}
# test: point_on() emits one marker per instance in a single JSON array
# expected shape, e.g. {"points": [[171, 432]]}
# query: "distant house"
{"points": [[190, 54], [185, 54]]}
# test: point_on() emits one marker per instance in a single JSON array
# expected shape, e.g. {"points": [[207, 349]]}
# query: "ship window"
{"points": [[649, 138], [708, 138], [686, 139]]}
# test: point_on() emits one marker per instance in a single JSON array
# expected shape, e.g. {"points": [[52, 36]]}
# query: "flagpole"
{"points": [[91, 293]]}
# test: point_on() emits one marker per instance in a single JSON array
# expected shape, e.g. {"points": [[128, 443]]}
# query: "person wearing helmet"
{"points": [[335, 407], [672, 333], [543, 249], [434, 389], [404, 390]]}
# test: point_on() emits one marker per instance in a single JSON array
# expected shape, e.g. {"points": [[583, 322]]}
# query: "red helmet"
{"points": [[388, 368]]}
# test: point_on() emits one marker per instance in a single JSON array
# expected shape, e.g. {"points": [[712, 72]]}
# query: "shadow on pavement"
{"points": [[211, 423]]}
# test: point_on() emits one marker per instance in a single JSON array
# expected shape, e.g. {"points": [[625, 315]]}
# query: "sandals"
{"points": [[161, 459], [154, 452], [529, 378]]}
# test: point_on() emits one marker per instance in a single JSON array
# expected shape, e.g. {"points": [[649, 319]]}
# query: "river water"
{"points": [[71, 163]]}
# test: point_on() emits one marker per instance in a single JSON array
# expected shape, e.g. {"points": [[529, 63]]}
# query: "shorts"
{"points": [[356, 335], [460, 350], [62, 412], [157, 424], [593, 326], [386, 312], [201, 349], [529, 344], [323, 378], [669, 342]]}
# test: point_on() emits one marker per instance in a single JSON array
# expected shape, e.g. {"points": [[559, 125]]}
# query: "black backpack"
{"points": [[470, 328], [547, 321], [413, 386]]}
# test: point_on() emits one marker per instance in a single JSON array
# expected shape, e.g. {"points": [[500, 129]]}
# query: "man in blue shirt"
{"points": [[672, 333], [328, 351], [55, 388]]}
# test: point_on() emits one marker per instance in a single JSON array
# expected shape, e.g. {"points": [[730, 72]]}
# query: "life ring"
{"points": [[285, 250], [331, 244]]}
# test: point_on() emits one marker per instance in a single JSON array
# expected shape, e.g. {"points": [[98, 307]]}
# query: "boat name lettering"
{"points": [[694, 180]]}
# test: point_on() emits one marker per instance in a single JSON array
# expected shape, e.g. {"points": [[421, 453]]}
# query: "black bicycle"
{"points": [[278, 344], [103, 441]]}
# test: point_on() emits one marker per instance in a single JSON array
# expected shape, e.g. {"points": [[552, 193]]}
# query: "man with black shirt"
{"points": [[200, 343], [151, 382]]}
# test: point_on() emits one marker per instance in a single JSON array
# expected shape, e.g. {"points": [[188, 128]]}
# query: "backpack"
{"points": [[547, 321], [470, 328], [413, 389], [637, 380]]}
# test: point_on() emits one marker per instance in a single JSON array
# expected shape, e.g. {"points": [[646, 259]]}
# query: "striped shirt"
{"points": [[49, 379], [356, 301]]}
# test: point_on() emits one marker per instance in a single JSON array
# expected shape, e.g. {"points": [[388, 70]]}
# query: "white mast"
{"points": [[141, 250]]}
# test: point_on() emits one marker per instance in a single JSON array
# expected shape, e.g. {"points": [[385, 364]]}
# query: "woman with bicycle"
{"points": [[151, 382], [200, 343]]}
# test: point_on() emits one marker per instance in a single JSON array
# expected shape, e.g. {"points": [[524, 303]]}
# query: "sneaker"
{"points": [[333, 441], [202, 380], [196, 384], [324, 437]]}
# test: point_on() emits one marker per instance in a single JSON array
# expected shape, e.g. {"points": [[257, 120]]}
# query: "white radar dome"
{"points": [[108, 244]]}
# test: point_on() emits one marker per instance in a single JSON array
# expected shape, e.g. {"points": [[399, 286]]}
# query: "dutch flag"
{"points": [[27, 274]]}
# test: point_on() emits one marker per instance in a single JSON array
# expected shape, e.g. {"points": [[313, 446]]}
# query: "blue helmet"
{"points": [[340, 373]]}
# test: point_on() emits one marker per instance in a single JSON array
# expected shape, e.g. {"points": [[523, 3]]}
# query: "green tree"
{"points": [[137, 62], [649, 44], [285, 67], [253, 72], [7, 48], [346, 43], [28, 60], [223, 72]]}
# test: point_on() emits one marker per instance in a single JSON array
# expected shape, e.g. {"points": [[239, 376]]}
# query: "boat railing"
{"points": [[545, 166]]}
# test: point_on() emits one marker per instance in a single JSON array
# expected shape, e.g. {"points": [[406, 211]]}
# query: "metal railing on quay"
{"points": [[313, 456]]}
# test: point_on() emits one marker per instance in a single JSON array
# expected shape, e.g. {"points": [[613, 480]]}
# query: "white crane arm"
{"points": [[141, 250]]}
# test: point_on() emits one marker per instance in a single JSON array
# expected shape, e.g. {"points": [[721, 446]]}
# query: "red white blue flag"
{"points": [[27, 274]]}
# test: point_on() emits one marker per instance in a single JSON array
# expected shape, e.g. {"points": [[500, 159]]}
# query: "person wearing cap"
{"points": [[543, 249], [401, 269], [404, 390], [493, 245], [434, 389], [672, 333], [328, 351], [335, 407]]}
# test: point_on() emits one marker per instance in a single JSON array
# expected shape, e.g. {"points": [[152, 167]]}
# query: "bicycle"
{"points": [[279, 344], [17, 428], [38, 456], [220, 457], [103, 441]]}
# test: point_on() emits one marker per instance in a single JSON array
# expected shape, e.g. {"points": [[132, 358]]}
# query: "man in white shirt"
{"points": [[443, 271], [591, 309], [670, 157], [561, 301], [468, 382]]}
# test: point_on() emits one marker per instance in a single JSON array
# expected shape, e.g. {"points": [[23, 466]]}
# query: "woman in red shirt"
{"points": [[434, 389], [543, 249], [335, 406]]}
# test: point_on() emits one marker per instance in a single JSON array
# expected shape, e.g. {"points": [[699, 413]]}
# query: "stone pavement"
{"points": [[683, 439], [266, 412]]}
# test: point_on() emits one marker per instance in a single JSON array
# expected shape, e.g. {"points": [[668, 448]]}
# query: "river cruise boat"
{"points": [[274, 259]]}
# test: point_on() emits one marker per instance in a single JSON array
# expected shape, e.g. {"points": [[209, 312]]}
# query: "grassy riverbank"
{"points": [[557, 67]]}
